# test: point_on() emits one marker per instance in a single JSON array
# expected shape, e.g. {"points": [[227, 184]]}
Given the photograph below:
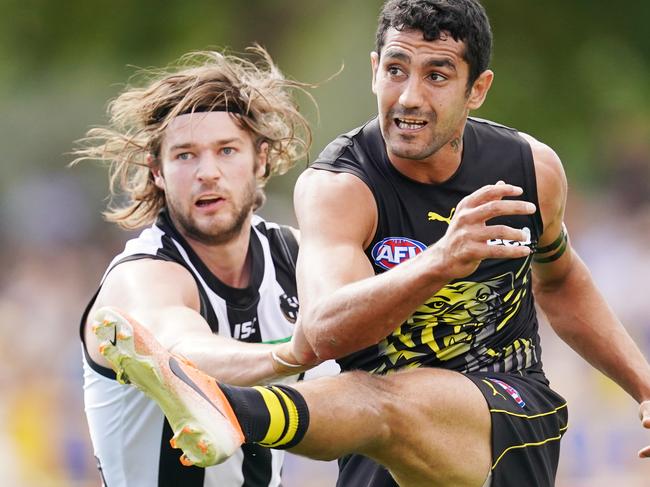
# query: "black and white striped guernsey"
{"points": [[130, 435]]}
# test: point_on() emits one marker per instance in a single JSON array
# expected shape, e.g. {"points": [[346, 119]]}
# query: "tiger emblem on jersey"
{"points": [[454, 322]]}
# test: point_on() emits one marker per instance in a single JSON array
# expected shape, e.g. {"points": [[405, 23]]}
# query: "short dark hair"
{"points": [[464, 20]]}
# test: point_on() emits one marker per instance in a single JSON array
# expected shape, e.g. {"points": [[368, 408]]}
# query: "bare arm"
{"points": [[163, 297], [575, 308], [344, 306]]}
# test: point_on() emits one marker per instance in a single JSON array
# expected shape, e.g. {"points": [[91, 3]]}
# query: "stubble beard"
{"points": [[217, 232], [404, 149], [411, 147]]}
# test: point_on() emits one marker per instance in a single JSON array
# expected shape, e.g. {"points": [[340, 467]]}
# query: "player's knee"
{"points": [[381, 404]]}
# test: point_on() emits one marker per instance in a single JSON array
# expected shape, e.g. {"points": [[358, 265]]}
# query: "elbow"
{"points": [[321, 338], [322, 346], [335, 334], [332, 343], [327, 349]]}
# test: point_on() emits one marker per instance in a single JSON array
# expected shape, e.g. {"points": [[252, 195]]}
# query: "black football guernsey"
{"points": [[483, 322]]}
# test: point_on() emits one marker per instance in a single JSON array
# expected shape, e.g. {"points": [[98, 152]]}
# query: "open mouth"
{"points": [[208, 201], [410, 123]]}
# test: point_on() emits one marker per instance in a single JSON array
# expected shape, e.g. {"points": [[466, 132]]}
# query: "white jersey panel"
{"points": [[148, 242], [121, 419]]}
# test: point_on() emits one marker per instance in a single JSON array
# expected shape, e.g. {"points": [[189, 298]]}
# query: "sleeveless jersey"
{"points": [[130, 434], [482, 322]]}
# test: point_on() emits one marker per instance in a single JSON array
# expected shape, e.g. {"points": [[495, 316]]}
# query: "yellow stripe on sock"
{"points": [[293, 418], [276, 412]]}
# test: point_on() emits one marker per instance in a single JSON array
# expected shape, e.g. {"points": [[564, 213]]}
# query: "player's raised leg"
{"points": [[421, 424], [429, 427]]}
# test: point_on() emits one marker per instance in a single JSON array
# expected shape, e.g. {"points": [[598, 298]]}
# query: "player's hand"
{"points": [[285, 362], [644, 416], [464, 245], [301, 348]]}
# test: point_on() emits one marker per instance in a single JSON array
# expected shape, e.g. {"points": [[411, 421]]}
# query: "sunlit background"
{"points": [[576, 74]]}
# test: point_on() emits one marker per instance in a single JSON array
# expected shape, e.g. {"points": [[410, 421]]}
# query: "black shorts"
{"points": [[528, 421]]}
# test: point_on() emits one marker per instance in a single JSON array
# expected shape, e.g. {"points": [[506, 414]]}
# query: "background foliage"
{"points": [[575, 74]]}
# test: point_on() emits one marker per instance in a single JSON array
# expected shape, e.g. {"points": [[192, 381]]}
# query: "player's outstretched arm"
{"points": [[344, 306], [163, 297], [566, 292]]}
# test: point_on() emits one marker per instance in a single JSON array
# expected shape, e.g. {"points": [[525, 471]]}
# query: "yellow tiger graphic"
{"points": [[453, 322]]}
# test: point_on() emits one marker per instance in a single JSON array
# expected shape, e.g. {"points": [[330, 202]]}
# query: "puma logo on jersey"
{"points": [[433, 216]]}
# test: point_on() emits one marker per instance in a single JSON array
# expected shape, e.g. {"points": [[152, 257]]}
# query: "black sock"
{"points": [[274, 416]]}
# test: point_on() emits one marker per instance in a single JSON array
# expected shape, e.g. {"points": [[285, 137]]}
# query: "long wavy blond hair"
{"points": [[253, 89]]}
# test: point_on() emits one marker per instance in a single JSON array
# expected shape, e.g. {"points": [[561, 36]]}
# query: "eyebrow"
{"points": [[396, 54], [440, 63]]}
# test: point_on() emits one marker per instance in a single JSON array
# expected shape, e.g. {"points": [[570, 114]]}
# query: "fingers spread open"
{"points": [[492, 209], [492, 192]]}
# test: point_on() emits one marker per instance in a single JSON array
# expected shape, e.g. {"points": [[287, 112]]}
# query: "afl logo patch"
{"points": [[395, 250]]}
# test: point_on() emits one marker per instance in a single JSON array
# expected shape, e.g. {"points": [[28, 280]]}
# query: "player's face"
{"points": [[422, 97], [209, 170]]}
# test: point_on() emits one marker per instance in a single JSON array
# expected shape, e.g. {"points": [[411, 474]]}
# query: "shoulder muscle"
{"points": [[148, 283], [335, 205]]}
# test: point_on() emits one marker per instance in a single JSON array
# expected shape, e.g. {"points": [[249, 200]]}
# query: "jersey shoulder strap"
{"points": [[288, 246]]}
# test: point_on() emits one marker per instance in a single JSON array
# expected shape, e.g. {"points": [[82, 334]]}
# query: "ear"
{"points": [[374, 63], [262, 170], [156, 171], [480, 89]]}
